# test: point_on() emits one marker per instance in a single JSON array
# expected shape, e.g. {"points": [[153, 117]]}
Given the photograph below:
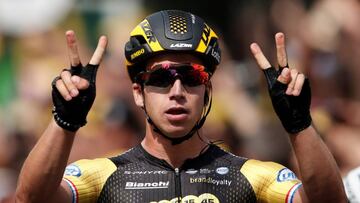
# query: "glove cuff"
{"points": [[297, 126], [64, 124]]}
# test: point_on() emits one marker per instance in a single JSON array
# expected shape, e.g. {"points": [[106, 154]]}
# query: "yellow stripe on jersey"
{"points": [[86, 178], [271, 182]]}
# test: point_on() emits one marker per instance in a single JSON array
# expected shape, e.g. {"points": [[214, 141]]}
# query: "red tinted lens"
{"points": [[164, 75], [193, 75]]}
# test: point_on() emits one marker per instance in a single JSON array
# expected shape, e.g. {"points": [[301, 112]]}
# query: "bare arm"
{"points": [[42, 172], [318, 170], [319, 173]]}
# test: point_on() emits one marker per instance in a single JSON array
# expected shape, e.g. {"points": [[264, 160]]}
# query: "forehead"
{"points": [[173, 58]]}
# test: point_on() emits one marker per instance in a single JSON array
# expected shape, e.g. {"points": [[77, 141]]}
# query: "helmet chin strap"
{"points": [[179, 140]]}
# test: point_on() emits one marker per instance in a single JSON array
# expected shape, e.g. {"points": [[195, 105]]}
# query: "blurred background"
{"points": [[323, 41]]}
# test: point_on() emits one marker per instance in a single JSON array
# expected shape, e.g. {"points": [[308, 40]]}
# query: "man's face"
{"points": [[176, 108]]}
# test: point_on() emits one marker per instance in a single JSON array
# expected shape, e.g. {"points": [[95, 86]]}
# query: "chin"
{"points": [[176, 131]]}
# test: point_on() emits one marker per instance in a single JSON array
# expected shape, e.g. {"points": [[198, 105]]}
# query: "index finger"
{"points": [[99, 51], [280, 49], [72, 47], [259, 56]]}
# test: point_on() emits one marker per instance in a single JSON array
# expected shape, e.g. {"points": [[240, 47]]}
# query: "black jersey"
{"points": [[214, 176]]}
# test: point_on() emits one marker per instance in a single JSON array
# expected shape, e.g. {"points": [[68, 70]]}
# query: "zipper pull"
{"points": [[177, 185]]}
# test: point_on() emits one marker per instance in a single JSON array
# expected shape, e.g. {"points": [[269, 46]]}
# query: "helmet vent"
{"points": [[177, 24]]}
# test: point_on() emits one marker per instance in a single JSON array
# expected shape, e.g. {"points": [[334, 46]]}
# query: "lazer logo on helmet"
{"points": [[137, 53], [181, 45], [148, 31]]}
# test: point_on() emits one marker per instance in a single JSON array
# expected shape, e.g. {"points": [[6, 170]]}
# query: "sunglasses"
{"points": [[164, 75]]}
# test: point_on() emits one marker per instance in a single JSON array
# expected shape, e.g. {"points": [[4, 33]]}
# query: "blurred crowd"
{"points": [[323, 41]]}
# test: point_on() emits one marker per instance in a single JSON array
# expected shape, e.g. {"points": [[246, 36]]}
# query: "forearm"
{"points": [[43, 169], [319, 172]]}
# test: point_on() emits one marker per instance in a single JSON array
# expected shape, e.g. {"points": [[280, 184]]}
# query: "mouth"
{"points": [[177, 114], [176, 111]]}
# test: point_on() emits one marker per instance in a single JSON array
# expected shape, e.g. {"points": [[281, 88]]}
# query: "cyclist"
{"points": [[171, 57]]}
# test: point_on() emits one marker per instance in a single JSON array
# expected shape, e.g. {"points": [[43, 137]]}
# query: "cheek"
{"points": [[154, 103], [199, 101]]}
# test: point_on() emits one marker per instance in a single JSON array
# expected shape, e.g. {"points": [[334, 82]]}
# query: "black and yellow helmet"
{"points": [[171, 31]]}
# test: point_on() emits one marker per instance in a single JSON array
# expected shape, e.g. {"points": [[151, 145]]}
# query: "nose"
{"points": [[177, 90]]}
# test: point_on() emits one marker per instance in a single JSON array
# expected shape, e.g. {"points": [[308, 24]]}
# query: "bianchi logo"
{"points": [[145, 186]]}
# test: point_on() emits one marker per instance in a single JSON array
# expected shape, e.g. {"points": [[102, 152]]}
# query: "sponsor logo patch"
{"points": [[216, 55], [286, 174], [72, 170], [210, 180], [203, 198], [181, 45], [205, 171], [137, 53], [146, 185], [222, 170], [191, 171], [145, 172]]}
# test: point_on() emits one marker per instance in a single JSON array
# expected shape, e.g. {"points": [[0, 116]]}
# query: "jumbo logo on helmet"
{"points": [[137, 53], [206, 34], [148, 31]]}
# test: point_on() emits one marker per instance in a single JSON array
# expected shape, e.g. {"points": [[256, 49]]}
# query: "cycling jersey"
{"points": [[214, 176]]}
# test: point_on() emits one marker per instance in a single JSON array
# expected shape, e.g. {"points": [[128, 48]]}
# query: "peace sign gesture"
{"points": [[74, 90], [289, 90]]}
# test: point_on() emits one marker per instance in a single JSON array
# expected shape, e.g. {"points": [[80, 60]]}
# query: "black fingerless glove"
{"points": [[71, 115], [293, 111]]}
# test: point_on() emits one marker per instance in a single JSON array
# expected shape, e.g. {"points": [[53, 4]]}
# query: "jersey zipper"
{"points": [[178, 184]]}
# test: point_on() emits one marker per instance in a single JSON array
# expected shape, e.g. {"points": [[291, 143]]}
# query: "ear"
{"points": [[138, 95]]}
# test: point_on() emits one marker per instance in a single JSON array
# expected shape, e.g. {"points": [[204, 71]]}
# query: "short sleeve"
{"points": [[271, 182], [86, 178]]}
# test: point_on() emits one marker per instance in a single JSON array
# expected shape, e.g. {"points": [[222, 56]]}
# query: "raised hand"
{"points": [[289, 90], [74, 90]]}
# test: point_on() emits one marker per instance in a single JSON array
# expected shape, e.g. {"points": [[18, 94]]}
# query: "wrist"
{"points": [[297, 125], [58, 129], [64, 124]]}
